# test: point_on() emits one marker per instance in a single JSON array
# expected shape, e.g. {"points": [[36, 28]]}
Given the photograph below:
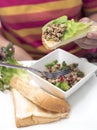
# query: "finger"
{"points": [[80, 41], [92, 35], [86, 43], [84, 46], [85, 20]]}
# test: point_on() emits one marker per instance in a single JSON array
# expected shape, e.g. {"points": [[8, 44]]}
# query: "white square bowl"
{"points": [[88, 68]]}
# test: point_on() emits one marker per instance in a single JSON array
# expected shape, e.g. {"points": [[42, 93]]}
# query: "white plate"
{"points": [[82, 116], [61, 55]]}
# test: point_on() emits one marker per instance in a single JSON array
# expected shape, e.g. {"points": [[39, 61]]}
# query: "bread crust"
{"points": [[27, 113], [50, 45], [39, 96], [35, 120]]}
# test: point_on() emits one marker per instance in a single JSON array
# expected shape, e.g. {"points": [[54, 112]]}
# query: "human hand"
{"points": [[90, 41]]}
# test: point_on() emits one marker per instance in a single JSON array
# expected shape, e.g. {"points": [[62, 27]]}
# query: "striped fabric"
{"points": [[22, 21], [90, 7]]}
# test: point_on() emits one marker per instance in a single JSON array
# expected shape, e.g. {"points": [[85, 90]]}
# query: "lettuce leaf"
{"points": [[61, 20], [75, 28], [6, 73]]}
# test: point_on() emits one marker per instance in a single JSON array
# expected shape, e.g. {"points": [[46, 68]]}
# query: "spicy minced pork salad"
{"points": [[64, 82]]}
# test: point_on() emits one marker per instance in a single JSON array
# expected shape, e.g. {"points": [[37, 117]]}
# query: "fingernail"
{"points": [[90, 35]]}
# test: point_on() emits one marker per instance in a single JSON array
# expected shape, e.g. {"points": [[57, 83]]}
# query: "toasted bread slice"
{"points": [[62, 31], [50, 45], [27, 113], [39, 96]]}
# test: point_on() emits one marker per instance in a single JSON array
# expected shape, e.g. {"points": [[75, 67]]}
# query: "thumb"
{"points": [[85, 20]]}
